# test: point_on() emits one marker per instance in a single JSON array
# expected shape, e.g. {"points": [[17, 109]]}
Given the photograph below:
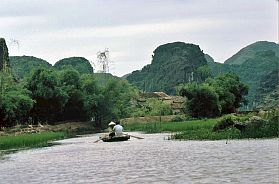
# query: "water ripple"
{"points": [[150, 160]]}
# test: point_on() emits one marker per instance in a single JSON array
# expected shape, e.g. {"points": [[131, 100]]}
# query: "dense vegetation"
{"points": [[172, 64], [202, 100], [15, 101], [50, 95], [22, 66], [152, 107], [267, 94], [178, 63], [250, 51], [204, 129], [81, 64], [223, 94], [251, 72]]}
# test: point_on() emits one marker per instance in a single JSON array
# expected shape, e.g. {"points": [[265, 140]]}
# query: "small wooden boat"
{"points": [[107, 138]]}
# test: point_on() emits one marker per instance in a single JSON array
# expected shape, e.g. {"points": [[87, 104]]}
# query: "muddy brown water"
{"points": [[149, 160]]}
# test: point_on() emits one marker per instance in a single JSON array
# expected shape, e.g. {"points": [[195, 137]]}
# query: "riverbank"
{"points": [[24, 141], [203, 129], [69, 127], [32, 136]]}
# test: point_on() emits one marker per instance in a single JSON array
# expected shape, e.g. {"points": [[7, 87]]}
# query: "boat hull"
{"points": [[115, 138]]}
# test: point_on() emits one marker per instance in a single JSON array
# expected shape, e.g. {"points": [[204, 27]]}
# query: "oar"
{"points": [[100, 138], [97, 140], [135, 136]]}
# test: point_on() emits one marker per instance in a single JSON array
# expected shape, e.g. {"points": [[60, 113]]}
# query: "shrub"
{"points": [[202, 100], [177, 119], [224, 123]]}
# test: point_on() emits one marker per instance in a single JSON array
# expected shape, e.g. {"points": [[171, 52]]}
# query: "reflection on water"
{"points": [[149, 160]]}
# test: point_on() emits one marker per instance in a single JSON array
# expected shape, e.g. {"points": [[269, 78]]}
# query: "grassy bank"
{"points": [[29, 140], [203, 130]]}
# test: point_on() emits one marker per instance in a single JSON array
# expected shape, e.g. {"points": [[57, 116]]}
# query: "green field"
{"points": [[29, 140], [202, 130]]}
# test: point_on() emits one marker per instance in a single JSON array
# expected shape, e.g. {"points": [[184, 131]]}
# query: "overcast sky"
{"points": [[132, 29]]}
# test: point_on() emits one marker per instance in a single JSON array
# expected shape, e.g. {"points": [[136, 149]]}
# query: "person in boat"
{"points": [[110, 128], [118, 129]]}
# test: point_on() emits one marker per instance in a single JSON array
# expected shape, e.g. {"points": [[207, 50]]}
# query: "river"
{"points": [[149, 160]]}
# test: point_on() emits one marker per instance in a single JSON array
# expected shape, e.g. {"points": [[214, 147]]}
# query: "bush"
{"points": [[257, 127], [202, 100], [153, 107], [224, 123], [15, 103], [177, 119]]}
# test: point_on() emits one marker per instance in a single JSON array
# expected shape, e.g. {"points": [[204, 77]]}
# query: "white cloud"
{"points": [[171, 27], [131, 30]]}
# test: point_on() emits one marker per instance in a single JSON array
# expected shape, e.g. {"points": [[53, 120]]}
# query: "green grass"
{"points": [[171, 126], [208, 134], [202, 130], [29, 140]]}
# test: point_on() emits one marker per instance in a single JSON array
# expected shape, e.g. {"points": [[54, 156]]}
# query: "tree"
{"points": [[71, 83], [92, 95], [203, 72], [115, 101], [15, 102], [231, 91], [202, 100], [50, 98]]}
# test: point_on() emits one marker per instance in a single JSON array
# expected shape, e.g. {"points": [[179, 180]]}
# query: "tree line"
{"points": [[50, 95]]}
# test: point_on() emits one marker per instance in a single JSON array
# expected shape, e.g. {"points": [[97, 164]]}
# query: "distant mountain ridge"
{"points": [[250, 51]]}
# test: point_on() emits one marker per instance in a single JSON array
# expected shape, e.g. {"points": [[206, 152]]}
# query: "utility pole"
{"points": [[103, 60]]}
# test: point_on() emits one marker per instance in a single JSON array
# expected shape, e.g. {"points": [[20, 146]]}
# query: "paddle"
{"points": [[97, 140], [134, 136]]}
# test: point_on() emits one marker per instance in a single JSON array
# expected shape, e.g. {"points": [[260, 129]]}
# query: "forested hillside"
{"points": [[172, 64], [23, 65], [252, 70], [251, 50], [177, 63], [267, 93], [81, 64]]}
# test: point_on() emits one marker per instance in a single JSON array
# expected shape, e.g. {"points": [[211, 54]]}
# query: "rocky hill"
{"points": [[208, 58], [172, 64], [22, 66], [4, 54], [81, 64]]}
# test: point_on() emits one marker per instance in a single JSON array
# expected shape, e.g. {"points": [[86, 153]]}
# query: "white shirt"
{"points": [[118, 129]]}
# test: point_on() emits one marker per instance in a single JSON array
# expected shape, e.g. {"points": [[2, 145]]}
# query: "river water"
{"points": [[149, 160]]}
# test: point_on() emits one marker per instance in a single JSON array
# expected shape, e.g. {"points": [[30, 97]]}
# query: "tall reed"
{"points": [[29, 140]]}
